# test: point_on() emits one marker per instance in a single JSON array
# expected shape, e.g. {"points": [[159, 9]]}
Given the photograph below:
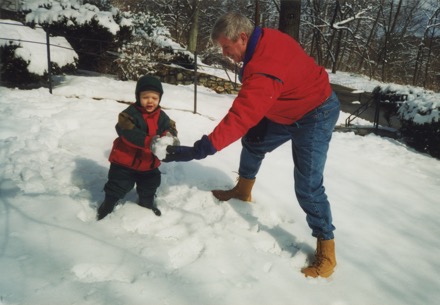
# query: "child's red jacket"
{"points": [[136, 128]]}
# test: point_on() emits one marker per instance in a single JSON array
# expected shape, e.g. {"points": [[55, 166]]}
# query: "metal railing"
{"points": [[379, 99]]}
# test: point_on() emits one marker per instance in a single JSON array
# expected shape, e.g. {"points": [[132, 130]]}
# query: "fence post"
{"points": [[377, 97], [195, 82], [49, 65]]}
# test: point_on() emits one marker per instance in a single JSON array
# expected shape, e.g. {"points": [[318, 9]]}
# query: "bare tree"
{"points": [[290, 16], [333, 31], [364, 58], [345, 25], [313, 34], [425, 48], [194, 26], [432, 29]]}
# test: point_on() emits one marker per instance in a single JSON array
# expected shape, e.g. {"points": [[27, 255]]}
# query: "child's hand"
{"points": [[176, 140]]}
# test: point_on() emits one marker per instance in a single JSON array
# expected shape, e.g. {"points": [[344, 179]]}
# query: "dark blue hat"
{"points": [[148, 83]]}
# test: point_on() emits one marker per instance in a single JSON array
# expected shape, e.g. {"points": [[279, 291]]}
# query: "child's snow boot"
{"points": [[325, 260], [241, 191], [148, 202], [107, 206]]}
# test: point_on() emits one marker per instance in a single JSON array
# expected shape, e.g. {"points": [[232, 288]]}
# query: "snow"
{"points": [[31, 5], [422, 106], [33, 46], [54, 151], [78, 14], [160, 144]]}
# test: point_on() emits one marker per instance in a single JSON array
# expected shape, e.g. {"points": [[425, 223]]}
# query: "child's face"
{"points": [[149, 100]]}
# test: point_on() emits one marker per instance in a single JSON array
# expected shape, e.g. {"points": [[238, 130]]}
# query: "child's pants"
{"points": [[121, 180]]}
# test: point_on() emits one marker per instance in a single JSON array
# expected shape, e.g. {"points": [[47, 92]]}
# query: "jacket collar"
{"points": [[250, 49]]}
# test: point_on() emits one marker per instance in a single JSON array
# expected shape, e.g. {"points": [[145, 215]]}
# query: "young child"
{"points": [[132, 160]]}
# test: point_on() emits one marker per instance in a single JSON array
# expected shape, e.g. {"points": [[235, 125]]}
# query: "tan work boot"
{"points": [[325, 260], [241, 191]]}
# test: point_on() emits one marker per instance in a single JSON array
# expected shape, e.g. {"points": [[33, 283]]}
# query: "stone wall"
{"points": [[176, 75]]}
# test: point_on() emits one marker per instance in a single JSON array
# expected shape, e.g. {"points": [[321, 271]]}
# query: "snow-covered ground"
{"points": [[53, 152]]}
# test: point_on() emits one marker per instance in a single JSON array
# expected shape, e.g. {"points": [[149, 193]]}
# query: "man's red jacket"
{"points": [[279, 82]]}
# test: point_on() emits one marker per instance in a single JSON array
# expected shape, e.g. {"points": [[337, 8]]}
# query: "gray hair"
{"points": [[231, 25]]}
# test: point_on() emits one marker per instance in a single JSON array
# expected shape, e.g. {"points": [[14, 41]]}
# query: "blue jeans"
{"points": [[310, 137]]}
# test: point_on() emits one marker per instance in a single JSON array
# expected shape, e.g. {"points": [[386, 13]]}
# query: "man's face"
{"points": [[235, 50]]}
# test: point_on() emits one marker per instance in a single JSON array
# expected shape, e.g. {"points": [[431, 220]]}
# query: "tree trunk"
{"points": [[365, 54], [290, 16], [392, 21], [194, 27], [257, 13]]}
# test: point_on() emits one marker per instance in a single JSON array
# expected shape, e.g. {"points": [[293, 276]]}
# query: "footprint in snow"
{"points": [[91, 273], [187, 252]]}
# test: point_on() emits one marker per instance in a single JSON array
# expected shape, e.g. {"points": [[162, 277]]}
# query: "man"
{"points": [[284, 97]]}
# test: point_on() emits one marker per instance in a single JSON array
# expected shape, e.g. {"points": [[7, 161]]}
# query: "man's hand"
{"points": [[179, 154], [201, 149]]}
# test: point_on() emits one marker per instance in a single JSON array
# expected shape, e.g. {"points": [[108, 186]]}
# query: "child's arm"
{"points": [[170, 132], [130, 133], [172, 128]]}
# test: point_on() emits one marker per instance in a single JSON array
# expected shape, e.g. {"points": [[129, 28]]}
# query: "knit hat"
{"points": [[148, 83]]}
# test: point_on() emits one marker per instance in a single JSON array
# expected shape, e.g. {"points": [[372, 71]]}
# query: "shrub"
{"points": [[94, 34], [14, 70], [420, 122], [152, 44], [214, 58], [424, 138], [419, 114], [21, 55]]}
